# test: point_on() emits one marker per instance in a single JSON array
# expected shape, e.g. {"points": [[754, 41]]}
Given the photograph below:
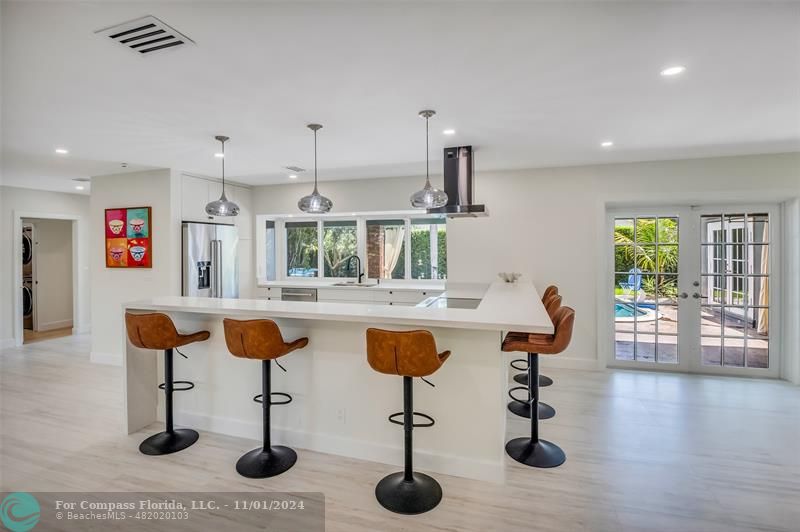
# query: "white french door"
{"points": [[695, 289]]}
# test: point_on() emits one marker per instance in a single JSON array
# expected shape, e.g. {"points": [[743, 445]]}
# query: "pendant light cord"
{"points": [[427, 154], [223, 166], [315, 160]]}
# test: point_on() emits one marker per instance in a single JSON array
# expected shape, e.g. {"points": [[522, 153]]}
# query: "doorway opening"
{"points": [[47, 279]]}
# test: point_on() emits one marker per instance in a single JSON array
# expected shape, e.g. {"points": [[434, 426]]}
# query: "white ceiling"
{"points": [[528, 84]]}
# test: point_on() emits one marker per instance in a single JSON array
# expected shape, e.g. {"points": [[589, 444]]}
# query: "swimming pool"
{"points": [[623, 310]]}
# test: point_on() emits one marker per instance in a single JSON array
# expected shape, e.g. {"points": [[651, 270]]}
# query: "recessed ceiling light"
{"points": [[79, 187], [219, 155], [449, 132], [293, 176], [607, 143], [62, 151], [673, 70]]}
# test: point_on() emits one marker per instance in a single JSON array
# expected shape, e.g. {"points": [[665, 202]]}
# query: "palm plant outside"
{"points": [[654, 251]]}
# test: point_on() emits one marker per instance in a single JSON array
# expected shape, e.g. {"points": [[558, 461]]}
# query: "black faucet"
{"points": [[359, 271]]}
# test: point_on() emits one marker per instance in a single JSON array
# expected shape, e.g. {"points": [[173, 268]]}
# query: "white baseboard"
{"points": [[353, 448], [51, 325], [110, 359], [82, 329]]}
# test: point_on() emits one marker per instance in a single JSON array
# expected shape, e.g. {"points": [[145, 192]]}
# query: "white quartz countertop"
{"points": [[384, 285], [504, 307]]}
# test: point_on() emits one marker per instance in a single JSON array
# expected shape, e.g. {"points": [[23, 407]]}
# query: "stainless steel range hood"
{"points": [[458, 183]]}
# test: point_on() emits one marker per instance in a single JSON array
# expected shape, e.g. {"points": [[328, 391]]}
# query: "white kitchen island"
{"points": [[340, 405]]}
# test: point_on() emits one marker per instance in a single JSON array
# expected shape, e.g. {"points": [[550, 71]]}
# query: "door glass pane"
{"points": [[645, 347], [338, 245], [758, 339], [301, 249], [386, 249], [667, 230], [735, 275], [646, 289], [758, 226], [733, 352], [667, 349]]}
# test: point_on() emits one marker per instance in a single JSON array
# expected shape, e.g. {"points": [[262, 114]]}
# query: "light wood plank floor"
{"points": [[29, 336], [645, 451]]}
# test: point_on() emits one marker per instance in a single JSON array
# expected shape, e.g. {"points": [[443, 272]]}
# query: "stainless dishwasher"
{"points": [[299, 294]]}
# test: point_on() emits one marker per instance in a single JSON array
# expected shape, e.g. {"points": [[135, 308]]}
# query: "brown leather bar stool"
{"points": [[157, 331], [522, 378], [533, 451], [262, 340], [409, 354], [551, 305]]}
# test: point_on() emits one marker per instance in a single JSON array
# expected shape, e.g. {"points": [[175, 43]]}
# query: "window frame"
{"points": [[360, 218]]}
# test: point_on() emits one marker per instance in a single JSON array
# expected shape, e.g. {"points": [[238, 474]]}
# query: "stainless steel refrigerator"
{"points": [[210, 260]]}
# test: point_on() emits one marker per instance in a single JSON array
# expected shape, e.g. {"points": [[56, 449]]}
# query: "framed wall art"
{"points": [[128, 238]]}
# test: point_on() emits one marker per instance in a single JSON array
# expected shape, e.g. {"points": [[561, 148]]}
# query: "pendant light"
{"points": [[222, 206], [315, 203], [429, 197]]}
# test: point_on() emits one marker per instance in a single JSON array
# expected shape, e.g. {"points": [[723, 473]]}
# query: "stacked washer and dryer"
{"points": [[28, 283]]}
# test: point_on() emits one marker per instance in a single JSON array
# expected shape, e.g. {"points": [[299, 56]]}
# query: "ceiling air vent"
{"points": [[146, 35], [296, 169]]}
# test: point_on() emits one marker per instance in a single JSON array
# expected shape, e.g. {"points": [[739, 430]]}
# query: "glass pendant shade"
{"points": [[429, 197], [315, 203], [223, 206]]}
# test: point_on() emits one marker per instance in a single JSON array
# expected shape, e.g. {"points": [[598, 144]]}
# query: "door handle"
{"points": [[696, 295], [684, 295]]}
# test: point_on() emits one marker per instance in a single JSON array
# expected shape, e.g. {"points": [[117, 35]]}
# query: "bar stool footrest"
{"points": [[513, 362], [420, 414], [260, 398], [187, 385]]}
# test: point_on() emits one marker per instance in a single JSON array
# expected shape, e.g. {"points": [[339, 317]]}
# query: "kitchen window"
{"points": [[338, 245], [398, 245], [428, 249], [302, 245], [386, 249]]}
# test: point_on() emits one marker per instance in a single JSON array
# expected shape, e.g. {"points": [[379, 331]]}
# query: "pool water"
{"points": [[622, 310]]}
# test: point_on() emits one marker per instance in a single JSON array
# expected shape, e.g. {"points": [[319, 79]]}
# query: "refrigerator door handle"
{"points": [[214, 269], [218, 271]]}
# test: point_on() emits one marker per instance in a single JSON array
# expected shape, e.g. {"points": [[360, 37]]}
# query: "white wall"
{"points": [[111, 287], [549, 223], [53, 267], [37, 202], [347, 196]]}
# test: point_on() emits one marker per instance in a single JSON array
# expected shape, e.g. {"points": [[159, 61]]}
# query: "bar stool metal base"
{"points": [[168, 442], [259, 463], [401, 496], [522, 378], [524, 410], [540, 454]]}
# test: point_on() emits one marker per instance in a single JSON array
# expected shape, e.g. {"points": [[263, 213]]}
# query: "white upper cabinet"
{"points": [[194, 198]]}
